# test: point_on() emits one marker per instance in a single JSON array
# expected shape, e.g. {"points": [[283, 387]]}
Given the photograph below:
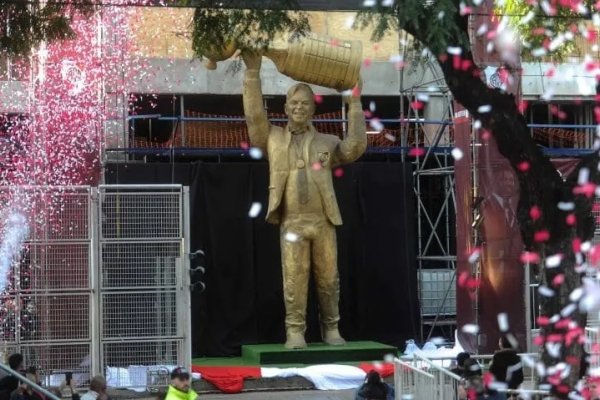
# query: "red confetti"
{"points": [[416, 105], [244, 145], [594, 255], [543, 320], [530, 257], [318, 98], [535, 213], [587, 189], [576, 245], [558, 280], [416, 151], [523, 166], [571, 220], [367, 62], [541, 236], [338, 172], [523, 104]]}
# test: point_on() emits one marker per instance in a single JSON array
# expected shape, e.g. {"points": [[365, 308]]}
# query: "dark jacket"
{"points": [[506, 367], [8, 384]]}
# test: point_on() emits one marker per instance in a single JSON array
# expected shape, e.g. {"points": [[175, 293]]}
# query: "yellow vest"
{"points": [[175, 394]]}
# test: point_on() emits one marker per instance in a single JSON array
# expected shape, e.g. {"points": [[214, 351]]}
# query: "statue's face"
{"points": [[300, 107]]}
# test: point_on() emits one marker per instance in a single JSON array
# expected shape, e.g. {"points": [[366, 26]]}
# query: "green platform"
{"points": [[316, 353]]}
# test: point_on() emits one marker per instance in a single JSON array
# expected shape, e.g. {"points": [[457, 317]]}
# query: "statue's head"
{"points": [[300, 104]]}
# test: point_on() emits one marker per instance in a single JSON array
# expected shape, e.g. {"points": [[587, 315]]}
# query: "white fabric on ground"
{"points": [[324, 377]]}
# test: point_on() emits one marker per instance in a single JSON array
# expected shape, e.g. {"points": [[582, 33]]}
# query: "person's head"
{"points": [[15, 362], [373, 388], [461, 358], [98, 384], [300, 104], [471, 367], [180, 379]]}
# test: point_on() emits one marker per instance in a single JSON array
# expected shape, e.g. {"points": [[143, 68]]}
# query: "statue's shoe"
{"points": [[333, 338], [295, 341]]}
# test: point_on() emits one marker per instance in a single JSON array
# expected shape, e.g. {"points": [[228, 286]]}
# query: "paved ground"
{"points": [[299, 395]]}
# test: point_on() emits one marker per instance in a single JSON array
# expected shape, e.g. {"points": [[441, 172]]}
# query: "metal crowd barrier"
{"points": [[411, 382], [419, 377]]}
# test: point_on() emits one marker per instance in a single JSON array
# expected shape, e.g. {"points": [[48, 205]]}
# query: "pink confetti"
{"points": [[535, 213], [541, 236], [571, 220], [416, 152], [558, 280], [318, 98], [523, 166], [317, 166], [338, 172], [530, 257]]}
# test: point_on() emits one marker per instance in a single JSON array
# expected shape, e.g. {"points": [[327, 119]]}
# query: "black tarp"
{"points": [[242, 303]]}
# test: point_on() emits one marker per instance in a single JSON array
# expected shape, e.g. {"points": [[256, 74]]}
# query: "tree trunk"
{"points": [[542, 186]]}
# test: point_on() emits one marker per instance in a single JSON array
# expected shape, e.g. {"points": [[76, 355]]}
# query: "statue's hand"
{"points": [[252, 60], [355, 92]]}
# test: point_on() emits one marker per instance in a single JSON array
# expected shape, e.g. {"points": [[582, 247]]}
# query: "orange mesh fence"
{"points": [[231, 132], [558, 137]]}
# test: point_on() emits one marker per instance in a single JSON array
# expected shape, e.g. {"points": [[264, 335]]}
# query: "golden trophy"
{"points": [[319, 60]]}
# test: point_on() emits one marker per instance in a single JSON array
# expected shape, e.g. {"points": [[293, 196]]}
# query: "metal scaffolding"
{"points": [[436, 209]]}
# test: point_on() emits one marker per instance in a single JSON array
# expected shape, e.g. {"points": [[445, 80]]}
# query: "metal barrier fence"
{"points": [[411, 382], [445, 383], [592, 346], [100, 282]]}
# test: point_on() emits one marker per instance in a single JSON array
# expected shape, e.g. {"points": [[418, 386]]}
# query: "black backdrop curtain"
{"points": [[243, 302]]}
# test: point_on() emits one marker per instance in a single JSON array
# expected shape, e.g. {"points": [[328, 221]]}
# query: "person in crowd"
{"points": [[9, 383], [459, 368], [97, 389], [374, 388], [24, 391], [506, 365], [180, 387], [471, 386]]}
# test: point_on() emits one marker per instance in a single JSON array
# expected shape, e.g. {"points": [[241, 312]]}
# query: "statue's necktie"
{"points": [[302, 178]]}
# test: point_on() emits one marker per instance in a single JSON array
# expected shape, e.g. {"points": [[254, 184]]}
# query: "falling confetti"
{"points": [[255, 210]]}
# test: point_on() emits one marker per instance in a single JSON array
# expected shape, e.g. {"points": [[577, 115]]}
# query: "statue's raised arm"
{"points": [[355, 143], [256, 116]]}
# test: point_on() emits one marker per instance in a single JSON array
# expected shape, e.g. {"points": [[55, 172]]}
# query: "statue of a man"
{"points": [[302, 199]]}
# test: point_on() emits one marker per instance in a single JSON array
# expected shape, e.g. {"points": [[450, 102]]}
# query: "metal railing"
{"points": [[411, 374], [412, 382]]}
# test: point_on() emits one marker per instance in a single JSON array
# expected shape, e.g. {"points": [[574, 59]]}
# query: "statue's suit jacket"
{"points": [[319, 149]]}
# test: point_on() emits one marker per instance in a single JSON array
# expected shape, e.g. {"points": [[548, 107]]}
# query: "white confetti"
{"points": [[457, 153], [455, 51], [471, 329], [376, 124], [255, 210], [566, 205], [484, 109], [369, 3], [255, 153], [503, 322], [553, 261], [545, 291], [291, 237], [583, 177], [568, 310], [372, 106], [474, 256], [553, 349], [576, 294]]}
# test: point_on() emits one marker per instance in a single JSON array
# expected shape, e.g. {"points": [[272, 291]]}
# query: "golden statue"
{"points": [[301, 197]]}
